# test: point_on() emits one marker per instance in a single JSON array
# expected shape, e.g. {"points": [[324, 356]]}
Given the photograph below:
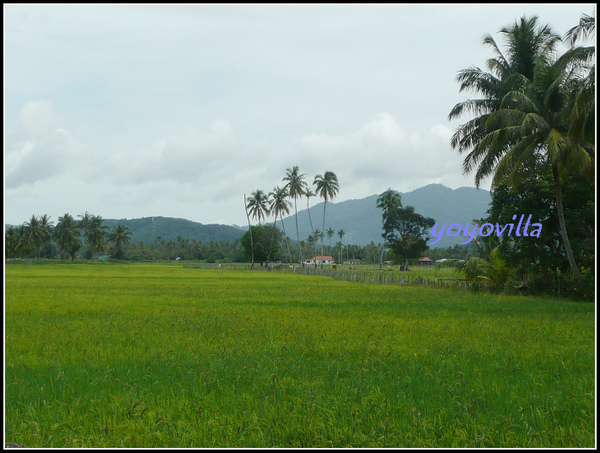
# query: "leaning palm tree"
{"points": [[526, 41], [295, 187], [279, 206], [309, 194], [532, 128], [258, 205], [327, 187]]}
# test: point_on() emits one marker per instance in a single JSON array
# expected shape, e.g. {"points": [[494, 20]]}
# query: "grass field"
{"points": [[145, 355]]}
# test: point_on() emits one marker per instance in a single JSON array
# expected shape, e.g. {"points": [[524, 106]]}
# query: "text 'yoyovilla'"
{"points": [[487, 229]]}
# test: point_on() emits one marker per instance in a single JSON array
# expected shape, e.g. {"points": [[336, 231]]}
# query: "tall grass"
{"points": [[160, 356]]}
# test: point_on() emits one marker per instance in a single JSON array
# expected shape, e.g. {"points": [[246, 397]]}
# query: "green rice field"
{"points": [[155, 355]]}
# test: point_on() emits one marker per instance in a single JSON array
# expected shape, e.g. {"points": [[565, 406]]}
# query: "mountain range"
{"points": [[360, 219], [362, 223]]}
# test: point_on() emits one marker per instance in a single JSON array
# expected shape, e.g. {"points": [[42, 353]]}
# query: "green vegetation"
{"points": [[404, 230], [146, 355], [534, 119]]}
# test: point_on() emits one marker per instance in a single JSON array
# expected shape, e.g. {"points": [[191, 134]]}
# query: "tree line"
{"points": [[69, 234], [89, 240]]}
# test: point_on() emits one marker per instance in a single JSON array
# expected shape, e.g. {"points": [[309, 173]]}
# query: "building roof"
{"points": [[424, 259]]}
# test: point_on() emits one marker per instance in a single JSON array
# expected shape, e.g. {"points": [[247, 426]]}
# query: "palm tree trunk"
{"points": [[249, 229], [323, 232], [297, 232], [286, 238], [272, 241], [563, 229], [309, 217], [312, 230]]}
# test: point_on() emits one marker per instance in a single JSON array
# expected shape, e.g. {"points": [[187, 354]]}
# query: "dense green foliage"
{"points": [[147, 229], [404, 230], [541, 263], [533, 121], [267, 244]]}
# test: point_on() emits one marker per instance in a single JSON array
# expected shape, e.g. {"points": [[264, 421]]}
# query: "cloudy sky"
{"points": [[130, 111]]}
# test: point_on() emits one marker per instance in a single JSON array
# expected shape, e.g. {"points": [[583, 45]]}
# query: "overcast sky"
{"points": [[130, 111]]}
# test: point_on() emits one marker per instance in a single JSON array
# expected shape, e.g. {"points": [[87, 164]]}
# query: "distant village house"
{"points": [[320, 260]]}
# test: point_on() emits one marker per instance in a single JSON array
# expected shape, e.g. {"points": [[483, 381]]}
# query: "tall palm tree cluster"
{"points": [[69, 234], [277, 203], [535, 111]]}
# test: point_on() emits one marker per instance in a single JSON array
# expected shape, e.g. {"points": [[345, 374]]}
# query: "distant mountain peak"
{"points": [[361, 219]]}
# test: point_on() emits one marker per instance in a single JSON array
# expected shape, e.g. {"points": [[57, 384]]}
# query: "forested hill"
{"points": [[149, 228], [361, 219]]}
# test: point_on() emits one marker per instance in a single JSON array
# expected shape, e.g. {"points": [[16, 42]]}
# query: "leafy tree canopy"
{"points": [[266, 240]]}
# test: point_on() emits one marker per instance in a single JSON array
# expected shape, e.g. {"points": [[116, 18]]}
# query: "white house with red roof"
{"points": [[320, 260]]}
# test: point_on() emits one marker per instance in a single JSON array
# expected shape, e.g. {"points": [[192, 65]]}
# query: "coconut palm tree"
{"points": [[95, 234], [48, 227], [389, 201], [18, 241], [309, 194], [249, 231], [39, 231], [527, 114], [84, 221], [279, 206], [341, 234], [258, 205], [526, 41], [11, 238], [327, 187], [586, 28], [295, 187], [532, 127], [583, 100], [118, 237], [67, 235], [330, 233]]}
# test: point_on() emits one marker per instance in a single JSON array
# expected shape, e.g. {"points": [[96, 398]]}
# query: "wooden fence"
{"points": [[380, 278]]}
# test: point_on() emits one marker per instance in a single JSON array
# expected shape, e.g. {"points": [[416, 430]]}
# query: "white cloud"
{"points": [[207, 156], [40, 147], [383, 154], [260, 88]]}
